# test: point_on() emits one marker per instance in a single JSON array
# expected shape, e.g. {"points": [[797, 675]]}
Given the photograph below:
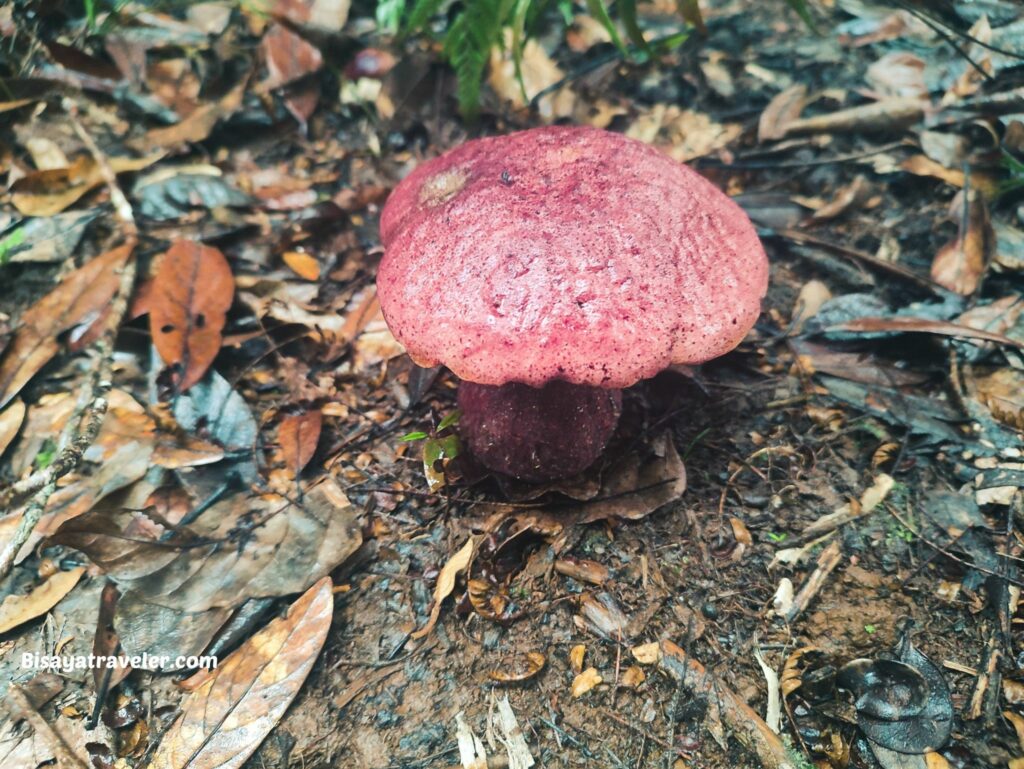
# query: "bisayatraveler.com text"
{"points": [[142, 661]]}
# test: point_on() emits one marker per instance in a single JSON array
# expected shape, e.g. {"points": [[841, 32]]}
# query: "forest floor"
{"points": [[853, 471]]}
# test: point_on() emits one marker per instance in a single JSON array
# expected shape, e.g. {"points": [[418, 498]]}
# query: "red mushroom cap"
{"points": [[565, 253]]}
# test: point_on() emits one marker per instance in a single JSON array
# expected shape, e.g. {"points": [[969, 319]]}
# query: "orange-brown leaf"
{"points": [[298, 436], [288, 56], [960, 264], [81, 295], [225, 718], [191, 295]]}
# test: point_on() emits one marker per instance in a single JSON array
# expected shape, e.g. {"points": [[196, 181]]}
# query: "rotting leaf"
{"points": [[81, 295], [446, 584], [1002, 392], [10, 423], [191, 295], [18, 609], [226, 718], [584, 682], [783, 109], [298, 436], [170, 193]]}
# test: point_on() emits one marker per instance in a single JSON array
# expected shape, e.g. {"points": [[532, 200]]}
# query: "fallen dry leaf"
{"points": [[960, 264], [298, 436], [198, 125], [647, 654], [446, 584], [925, 326], [539, 71], [920, 165], [782, 110], [225, 719], [191, 295], [1002, 392], [899, 74], [576, 655], [535, 662], [10, 422], [302, 264], [48, 192], [880, 116], [17, 609], [585, 681], [82, 295], [289, 57], [633, 677]]}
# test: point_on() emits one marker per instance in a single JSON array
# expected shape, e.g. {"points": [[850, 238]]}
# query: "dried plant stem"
{"points": [[85, 423]]}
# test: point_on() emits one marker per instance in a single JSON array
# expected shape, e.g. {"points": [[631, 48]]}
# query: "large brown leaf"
{"points": [[226, 718], [81, 295], [237, 549], [191, 295], [48, 192]]}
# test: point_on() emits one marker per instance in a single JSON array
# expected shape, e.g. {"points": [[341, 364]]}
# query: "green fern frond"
{"points": [[468, 47]]}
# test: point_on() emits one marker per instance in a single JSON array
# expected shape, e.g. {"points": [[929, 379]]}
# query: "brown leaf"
{"points": [[10, 423], [920, 165], [899, 74], [782, 110], [446, 584], [81, 295], [289, 57], [324, 15], [198, 125], [584, 682], [298, 436], [535, 662], [960, 264], [226, 718], [46, 193], [106, 643], [846, 198], [925, 326], [17, 609], [192, 293], [1002, 391]]}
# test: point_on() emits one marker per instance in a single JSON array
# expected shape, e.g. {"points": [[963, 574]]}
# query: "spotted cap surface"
{"points": [[565, 253]]}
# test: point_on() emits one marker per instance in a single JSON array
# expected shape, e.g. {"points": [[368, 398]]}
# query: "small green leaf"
{"points": [[10, 243], [803, 11], [417, 435], [450, 419], [627, 10], [46, 454], [421, 13], [775, 536], [600, 12], [389, 15], [870, 629]]}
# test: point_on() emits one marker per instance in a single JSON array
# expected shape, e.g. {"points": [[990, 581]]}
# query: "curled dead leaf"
{"points": [[446, 584], [298, 436], [585, 681], [17, 609], [535, 662]]}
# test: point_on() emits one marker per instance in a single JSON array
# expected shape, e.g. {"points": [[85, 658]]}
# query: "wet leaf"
{"points": [[903, 703], [81, 295], [225, 719], [446, 584], [298, 436], [191, 295], [18, 609]]}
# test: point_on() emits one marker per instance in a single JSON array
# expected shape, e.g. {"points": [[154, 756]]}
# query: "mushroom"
{"points": [[551, 268]]}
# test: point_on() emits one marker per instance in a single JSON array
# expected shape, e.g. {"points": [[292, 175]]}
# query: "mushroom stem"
{"points": [[538, 433]]}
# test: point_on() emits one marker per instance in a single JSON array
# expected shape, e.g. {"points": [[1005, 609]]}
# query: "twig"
{"points": [[85, 423], [827, 563], [20, 706]]}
